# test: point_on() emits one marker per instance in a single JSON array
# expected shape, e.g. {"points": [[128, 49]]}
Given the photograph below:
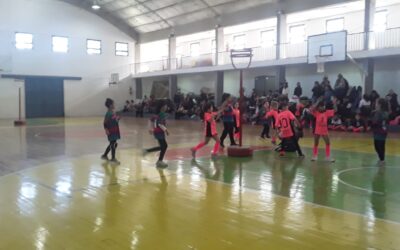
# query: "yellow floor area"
{"points": [[55, 192], [83, 203]]}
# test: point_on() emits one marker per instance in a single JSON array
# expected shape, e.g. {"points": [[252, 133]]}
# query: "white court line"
{"points": [[356, 187]]}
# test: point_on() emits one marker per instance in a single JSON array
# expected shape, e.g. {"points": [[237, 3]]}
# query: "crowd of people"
{"points": [[341, 107]]}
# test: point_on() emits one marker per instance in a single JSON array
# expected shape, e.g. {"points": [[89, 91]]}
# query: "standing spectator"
{"points": [[178, 98], [285, 89], [317, 91], [325, 81], [328, 93], [374, 96], [341, 87], [298, 91], [393, 102]]}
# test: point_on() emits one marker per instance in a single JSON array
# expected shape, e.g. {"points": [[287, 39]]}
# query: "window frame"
{"points": [[214, 48], [262, 43], [52, 44], [127, 49], [244, 41], [296, 26], [24, 33], [87, 47], [386, 20], [334, 19], [191, 51]]}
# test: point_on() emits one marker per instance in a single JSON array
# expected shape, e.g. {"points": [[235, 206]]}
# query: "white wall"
{"points": [[387, 75], [195, 82], [307, 74], [45, 18], [232, 80]]}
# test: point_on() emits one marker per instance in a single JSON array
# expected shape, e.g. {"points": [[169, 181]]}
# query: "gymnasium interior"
{"points": [[60, 60]]}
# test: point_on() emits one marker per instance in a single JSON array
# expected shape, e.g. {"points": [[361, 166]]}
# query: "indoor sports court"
{"points": [[199, 124]]}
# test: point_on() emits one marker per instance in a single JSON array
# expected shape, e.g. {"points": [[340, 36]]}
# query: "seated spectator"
{"points": [[328, 93], [365, 106], [357, 125], [180, 112], [336, 124]]}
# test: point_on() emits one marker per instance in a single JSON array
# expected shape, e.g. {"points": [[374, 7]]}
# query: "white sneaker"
{"points": [[314, 158], [161, 165], [329, 159]]}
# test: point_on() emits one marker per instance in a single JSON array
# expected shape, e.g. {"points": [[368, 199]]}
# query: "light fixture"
{"points": [[96, 6]]}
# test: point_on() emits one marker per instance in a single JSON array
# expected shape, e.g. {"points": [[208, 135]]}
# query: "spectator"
{"points": [[317, 91], [126, 107], [325, 81], [393, 102], [341, 87], [365, 106], [374, 96], [298, 91], [328, 93], [285, 89]]}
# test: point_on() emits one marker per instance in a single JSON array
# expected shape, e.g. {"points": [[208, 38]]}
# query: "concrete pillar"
{"points": [[369, 14], [139, 88], [173, 86], [280, 76], [220, 43], [281, 35], [137, 58], [219, 88], [369, 66], [172, 52]]}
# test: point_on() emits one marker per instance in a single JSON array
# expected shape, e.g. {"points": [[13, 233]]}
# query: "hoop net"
{"points": [[321, 60], [245, 56]]}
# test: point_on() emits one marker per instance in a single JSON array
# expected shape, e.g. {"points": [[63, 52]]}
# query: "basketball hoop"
{"points": [[241, 53]]}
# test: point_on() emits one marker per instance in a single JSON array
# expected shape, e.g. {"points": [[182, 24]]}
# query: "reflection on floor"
{"points": [[55, 193]]}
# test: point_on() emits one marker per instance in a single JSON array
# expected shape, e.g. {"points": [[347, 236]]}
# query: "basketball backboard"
{"points": [[329, 46]]}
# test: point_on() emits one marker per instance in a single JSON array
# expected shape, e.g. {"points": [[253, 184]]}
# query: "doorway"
{"points": [[44, 97]]}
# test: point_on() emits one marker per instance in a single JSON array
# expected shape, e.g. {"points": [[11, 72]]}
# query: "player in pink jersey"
{"points": [[272, 117], [322, 115], [286, 123], [210, 131]]}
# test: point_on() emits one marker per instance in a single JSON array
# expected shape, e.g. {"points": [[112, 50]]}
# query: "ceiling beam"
{"points": [[263, 11], [118, 23]]}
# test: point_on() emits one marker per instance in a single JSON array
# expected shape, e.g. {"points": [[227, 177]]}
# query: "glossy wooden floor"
{"points": [[55, 193]]}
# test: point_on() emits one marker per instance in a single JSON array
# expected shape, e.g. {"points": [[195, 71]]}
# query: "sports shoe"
{"points": [[193, 153], [104, 157], [314, 158], [161, 164], [115, 161], [329, 159]]}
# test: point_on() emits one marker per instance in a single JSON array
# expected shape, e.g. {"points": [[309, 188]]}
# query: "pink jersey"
{"points": [[284, 123], [236, 112], [210, 124], [274, 115], [321, 121]]}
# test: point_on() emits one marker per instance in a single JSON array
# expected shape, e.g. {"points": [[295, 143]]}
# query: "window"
{"points": [[267, 38], [334, 25], [60, 44], [239, 42], [23, 41], [121, 49], [297, 34], [195, 49], [380, 21], [93, 47], [214, 46]]}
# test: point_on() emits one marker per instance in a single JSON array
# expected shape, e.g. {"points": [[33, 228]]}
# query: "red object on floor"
{"points": [[243, 151]]}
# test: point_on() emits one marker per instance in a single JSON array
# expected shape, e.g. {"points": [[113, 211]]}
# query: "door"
{"points": [[264, 84], [44, 97]]}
